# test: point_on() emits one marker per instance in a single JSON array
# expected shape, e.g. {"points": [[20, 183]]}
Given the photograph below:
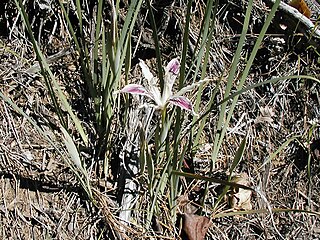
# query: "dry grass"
{"points": [[42, 199]]}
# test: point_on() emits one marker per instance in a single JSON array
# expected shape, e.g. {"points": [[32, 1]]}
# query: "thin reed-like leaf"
{"points": [[245, 73], [157, 44], [283, 146], [44, 135], [232, 75], [237, 93], [53, 87], [72, 149], [212, 180], [236, 160]]}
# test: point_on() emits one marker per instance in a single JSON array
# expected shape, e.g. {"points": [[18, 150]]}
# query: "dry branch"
{"points": [[289, 20]]}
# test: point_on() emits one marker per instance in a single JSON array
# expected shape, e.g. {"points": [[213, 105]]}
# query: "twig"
{"points": [[294, 21]]}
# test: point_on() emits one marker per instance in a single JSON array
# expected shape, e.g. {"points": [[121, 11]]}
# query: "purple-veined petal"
{"points": [[171, 72], [183, 103], [145, 70], [173, 66], [135, 89]]}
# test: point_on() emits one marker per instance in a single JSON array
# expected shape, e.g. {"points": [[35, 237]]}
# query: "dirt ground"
{"points": [[41, 198]]}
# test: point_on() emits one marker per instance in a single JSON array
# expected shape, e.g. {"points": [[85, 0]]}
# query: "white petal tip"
{"points": [[145, 70]]}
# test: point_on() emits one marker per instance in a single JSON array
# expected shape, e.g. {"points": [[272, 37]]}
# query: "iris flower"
{"points": [[152, 91]]}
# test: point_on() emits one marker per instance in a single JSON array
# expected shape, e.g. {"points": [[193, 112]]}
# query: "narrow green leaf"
{"points": [[235, 163], [212, 180], [239, 92], [72, 149], [284, 145], [54, 87], [157, 44], [238, 156]]}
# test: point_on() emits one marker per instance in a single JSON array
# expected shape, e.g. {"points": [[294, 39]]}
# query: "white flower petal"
{"points": [[173, 66], [183, 103], [171, 72], [156, 95], [134, 89], [145, 70], [190, 87]]}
